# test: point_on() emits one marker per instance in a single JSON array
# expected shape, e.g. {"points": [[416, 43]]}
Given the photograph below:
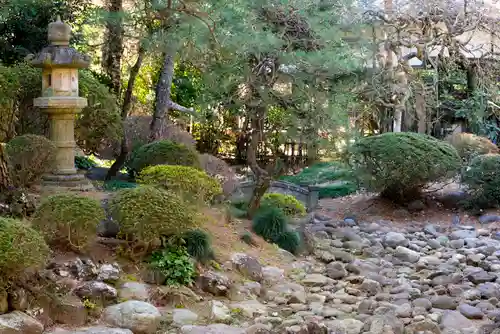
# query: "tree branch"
{"points": [[171, 105]]}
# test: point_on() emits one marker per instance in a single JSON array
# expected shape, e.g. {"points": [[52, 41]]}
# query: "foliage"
{"points": [[189, 182], [469, 145], [289, 241], [23, 24], [146, 213], [69, 220], [30, 157], [9, 88], [270, 223], [482, 178], [100, 122], [219, 169], [333, 178], [247, 238], [163, 152], [321, 172], [289, 204], [399, 165], [84, 162], [337, 190], [21, 247], [175, 264], [114, 185], [198, 245]]}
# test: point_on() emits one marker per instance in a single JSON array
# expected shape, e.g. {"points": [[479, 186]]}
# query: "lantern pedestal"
{"points": [[62, 111]]}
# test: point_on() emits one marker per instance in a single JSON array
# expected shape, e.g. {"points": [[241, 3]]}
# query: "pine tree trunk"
{"points": [[163, 90], [5, 180], [113, 49], [127, 102]]}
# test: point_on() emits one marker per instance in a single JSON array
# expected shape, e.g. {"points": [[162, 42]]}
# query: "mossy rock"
{"points": [[69, 220], [146, 213], [162, 152], [188, 182]]}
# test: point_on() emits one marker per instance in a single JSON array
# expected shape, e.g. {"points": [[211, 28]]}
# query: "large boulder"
{"points": [[139, 317], [19, 323]]}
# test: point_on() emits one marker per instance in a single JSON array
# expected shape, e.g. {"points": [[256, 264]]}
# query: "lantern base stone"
{"points": [[68, 182]]}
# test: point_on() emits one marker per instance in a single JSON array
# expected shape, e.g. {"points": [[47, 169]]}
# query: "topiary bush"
{"points": [[469, 145], [163, 152], [289, 204], [69, 220], [21, 248], [30, 156], [482, 178], [199, 245], [146, 213], [189, 182], [175, 264], [399, 165]]}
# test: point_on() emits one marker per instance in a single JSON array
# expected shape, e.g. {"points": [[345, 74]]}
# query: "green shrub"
{"points": [[337, 190], [175, 264], [30, 156], [289, 241], [269, 223], [147, 213], [247, 238], [469, 145], [21, 248], [482, 178], [198, 245], [115, 185], [163, 152], [289, 204], [321, 172], [399, 165], [85, 163], [187, 181], [69, 220]]}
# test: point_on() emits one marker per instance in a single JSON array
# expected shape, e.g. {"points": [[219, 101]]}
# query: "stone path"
{"points": [[358, 278]]}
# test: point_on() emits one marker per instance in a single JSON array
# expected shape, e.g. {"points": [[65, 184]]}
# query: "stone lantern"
{"points": [[60, 100]]}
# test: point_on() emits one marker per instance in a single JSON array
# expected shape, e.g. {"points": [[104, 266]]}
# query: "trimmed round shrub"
{"points": [[198, 245], [482, 178], [270, 223], [21, 248], [69, 220], [289, 204], [147, 213], [30, 156], [289, 241], [220, 170], [469, 145], [399, 165], [187, 181], [163, 152]]}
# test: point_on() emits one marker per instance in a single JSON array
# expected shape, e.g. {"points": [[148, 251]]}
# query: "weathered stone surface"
{"points": [[139, 317], [19, 323]]}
